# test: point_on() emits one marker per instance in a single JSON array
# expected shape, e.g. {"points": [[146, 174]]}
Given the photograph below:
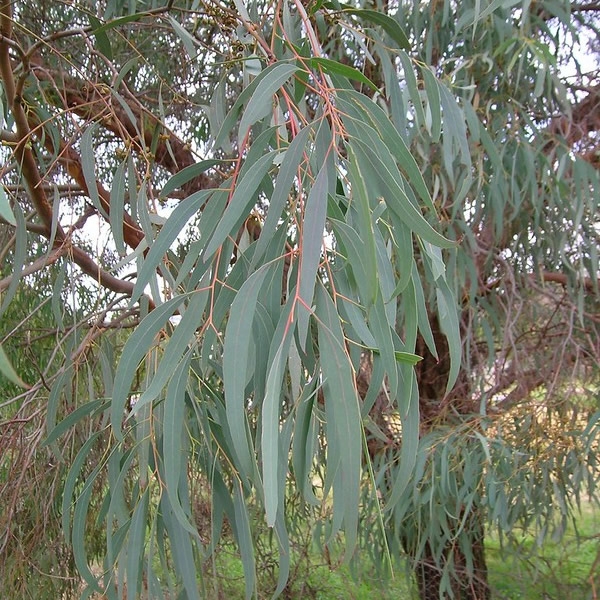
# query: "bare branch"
{"points": [[577, 127], [90, 103], [590, 7], [589, 284], [24, 155], [35, 266]]}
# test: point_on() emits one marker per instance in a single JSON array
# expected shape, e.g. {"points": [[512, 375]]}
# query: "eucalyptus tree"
{"points": [[348, 248]]}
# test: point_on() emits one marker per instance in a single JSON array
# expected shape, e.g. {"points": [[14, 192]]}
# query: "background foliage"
{"points": [[274, 263]]}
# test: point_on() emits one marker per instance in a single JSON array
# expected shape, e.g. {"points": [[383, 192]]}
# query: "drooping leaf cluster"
{"points": [[261, 195]]}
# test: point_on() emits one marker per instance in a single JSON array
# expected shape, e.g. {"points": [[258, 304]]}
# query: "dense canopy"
{"points": [[261, 255]]}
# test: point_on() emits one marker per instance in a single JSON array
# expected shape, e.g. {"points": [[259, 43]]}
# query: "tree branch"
{"points": [[22, 150], [90, 103], [25, 157], [577, 127], [589, 284], [35, 266], [592, 6]]}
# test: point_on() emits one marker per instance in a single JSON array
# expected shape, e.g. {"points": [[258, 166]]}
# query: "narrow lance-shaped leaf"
{"points": [[312, 244], [410, 81], [182, 550], [79, 533], [303, 440], [138, 345], [342, 410], [54, 400], [178, 343], [235, 365], [409, 415], [87, 409], [380, 328], [114, 23], [187, 174], [270, 416], [72, 479], [168, 234], [244, 539], [349, 241], [102, 41], [6, 212], [377, 159], [450, 326], [135, 547], [260, 103], [8, 370], [18, 259], [88, 165], [360, 111], [433, 103], [333, 67], [117, 202], [273, 72], [187, 39], [365, 224], [242, 200], [290, 161], [387, 23], [173, 440]]}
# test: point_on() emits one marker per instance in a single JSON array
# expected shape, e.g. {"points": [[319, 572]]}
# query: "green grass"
{"points": [[312, 580], [559, 570]]}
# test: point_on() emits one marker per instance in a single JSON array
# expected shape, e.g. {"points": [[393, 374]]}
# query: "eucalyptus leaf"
{"points": [[6, 212]]}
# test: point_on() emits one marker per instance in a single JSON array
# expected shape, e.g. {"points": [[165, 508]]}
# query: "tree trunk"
{"points": [[468, 579], [465, 583]]}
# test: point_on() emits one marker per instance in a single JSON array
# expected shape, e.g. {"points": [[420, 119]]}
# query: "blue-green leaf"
{"points": [[8, 370], [178, 180], [244, 539], [312, 245], [290, 161], [6, 212], [344, 422], [138, 345], [261, 100], [117, 202], [168, 234], [242, 200], [270, 417], [173, 440], [88, 166], [135, 547], [235, 364], [177, 345]]}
